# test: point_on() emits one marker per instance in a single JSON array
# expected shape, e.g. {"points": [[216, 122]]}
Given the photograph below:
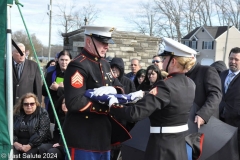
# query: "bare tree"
{"points": [[228, 10], [191, 17], [71, 16], [65, 17], [90, 12], [41, 50], [171, 12], [145, 19], [21, 36]]}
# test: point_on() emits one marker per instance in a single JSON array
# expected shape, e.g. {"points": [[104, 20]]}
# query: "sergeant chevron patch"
{"points": [[77, 80]]}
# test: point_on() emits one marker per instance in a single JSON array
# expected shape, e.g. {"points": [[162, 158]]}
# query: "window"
{"points": [[207, 61], [186, 43], [208, 45], [194, 44]]}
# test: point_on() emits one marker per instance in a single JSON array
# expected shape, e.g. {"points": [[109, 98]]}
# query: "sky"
{"points": [[112, 13]]}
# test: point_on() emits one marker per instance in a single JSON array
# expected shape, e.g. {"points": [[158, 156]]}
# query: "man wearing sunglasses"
{"points": [[157, 60]]}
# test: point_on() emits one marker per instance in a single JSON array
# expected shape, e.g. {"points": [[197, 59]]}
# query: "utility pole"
{"points": [[85, 20], [224, 56], [50, 27], [151, 24]]}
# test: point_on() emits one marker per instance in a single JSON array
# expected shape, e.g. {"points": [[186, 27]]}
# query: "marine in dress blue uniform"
{"points": [[167, 105], [89, 129]]}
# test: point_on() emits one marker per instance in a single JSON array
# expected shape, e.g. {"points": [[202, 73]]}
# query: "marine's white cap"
{"points": [[102, 34], [175, 48]]}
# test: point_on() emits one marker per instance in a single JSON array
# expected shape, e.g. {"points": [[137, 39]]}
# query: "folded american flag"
{"points": [[104, 99]]}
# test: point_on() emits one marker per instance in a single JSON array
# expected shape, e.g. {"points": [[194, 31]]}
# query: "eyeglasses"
{"points": [[156, 61], [27, 104]]}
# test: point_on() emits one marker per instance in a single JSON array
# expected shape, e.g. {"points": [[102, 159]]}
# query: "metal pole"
{"points": [[50, 27], [9, 98], [85, 20], [224, 56], [151, 25]]}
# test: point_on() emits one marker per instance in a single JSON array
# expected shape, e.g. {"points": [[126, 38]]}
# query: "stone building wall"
{"points": [[130, 45], [127, 45]]}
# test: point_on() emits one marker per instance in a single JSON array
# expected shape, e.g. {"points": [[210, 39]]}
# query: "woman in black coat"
{"points": [[54, 80], [139, 78], [31, 126], [153, 74]]}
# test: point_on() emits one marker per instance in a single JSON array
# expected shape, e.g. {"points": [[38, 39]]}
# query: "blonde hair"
{"points": [[186, 62], [19, 106]]}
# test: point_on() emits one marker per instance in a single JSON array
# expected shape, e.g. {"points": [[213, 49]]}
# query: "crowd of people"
{"points": [[174, 92]]}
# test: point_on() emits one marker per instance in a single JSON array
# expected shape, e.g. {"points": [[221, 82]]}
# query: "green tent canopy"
{"points": [[5, 144]]}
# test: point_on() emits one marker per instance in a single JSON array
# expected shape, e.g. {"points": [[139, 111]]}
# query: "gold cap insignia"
{"points": [[112, 29]]}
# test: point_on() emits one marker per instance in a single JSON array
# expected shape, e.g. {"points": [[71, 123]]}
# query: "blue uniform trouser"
{"points": [[77, 154], [189, 151]]}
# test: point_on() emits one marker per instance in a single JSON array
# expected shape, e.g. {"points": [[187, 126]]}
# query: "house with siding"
{"points": [[212, 43]]}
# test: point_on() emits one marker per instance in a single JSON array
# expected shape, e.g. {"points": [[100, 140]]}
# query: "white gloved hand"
{"points": [[104, 90], [112, 100], [135, 96]]}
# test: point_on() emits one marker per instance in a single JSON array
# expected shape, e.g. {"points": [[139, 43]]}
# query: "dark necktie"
{"points": [[18, 70]]}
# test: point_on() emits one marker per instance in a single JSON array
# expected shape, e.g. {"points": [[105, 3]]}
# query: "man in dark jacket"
{"points": [[229, 106], [26, 75], [135, 66], [117, 67], [208, 93]]}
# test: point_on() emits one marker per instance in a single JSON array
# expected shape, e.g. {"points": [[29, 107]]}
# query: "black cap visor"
{"points": [[166, 53], [103, 39]]}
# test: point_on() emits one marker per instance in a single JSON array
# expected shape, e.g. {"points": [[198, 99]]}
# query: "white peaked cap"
{"points": [[175, 48], [97, 30]]}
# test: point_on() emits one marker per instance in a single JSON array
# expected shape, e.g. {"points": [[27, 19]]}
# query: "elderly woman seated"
{"points": [[31, 127]]}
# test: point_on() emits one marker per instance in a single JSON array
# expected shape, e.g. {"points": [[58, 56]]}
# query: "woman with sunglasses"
{"points": [[31, 127]]}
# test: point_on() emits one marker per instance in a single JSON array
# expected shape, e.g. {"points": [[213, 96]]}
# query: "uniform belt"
{"points": [[172, 129]]}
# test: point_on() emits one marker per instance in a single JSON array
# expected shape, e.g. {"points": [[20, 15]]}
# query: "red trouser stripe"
{"points": [[72, 153]]}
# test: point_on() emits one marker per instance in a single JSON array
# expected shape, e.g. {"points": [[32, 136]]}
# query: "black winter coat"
{"points": [[55, 95], [38, 127], [208, 91], [128, 85]]}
